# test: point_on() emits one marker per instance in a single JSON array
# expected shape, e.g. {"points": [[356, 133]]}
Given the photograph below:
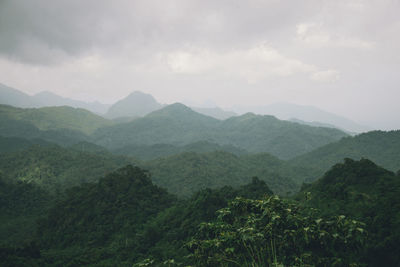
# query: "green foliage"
{"points": [[164, 236], [381, 147], [106, 215], [274, 232], [21, 204]]}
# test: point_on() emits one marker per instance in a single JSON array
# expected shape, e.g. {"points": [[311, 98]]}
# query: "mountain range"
{"points": [[307, 114], [138, 104], [177, 124], [14, 97]]}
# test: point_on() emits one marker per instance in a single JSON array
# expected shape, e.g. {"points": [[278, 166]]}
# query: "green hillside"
{"points": [[379, 146], [11, 144], [55, 118], [179, 125], [21, 204], [365, 191], [175, 124], [55, 168], [19, 129], [150, 152], [186, 173]]}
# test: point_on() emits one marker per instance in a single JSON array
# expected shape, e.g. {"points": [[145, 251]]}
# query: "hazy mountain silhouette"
{"points": [[136, 104], [286, 111], [13, 97], [46, 98], [16, 98], [215, 112]]}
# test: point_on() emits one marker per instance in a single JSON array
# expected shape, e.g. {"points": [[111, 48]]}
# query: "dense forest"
{"points": [[178, 188]]}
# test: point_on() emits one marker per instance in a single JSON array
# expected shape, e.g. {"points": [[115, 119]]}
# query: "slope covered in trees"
{"points": [[150, 152], [379, 146], [11, 144], [179, 125], [104, 217], [365, 191], [55, 118], [55, 168], [21, 204], [124, 219], [189, 172]]}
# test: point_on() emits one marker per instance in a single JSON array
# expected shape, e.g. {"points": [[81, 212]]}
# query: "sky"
{"points": [[341, 55]]}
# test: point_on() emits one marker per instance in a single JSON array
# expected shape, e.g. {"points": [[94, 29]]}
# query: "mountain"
{"points": [[379, 146], [16, 98], [362, 190], [55, 118], [46, 99], [177, 124], [316, 124], [283, 139], [215, 112], [13, 97], [185, 173], [287, 111], [136, 104]]}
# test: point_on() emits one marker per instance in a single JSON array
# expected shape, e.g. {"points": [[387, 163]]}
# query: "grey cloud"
{"points": [[29, 29], [206, 48]]}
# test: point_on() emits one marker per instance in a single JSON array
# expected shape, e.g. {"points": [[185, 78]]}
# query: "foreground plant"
{"points": [[275, 232]]}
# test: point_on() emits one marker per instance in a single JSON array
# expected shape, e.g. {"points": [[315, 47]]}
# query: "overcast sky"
{"points": [[340, 55]]}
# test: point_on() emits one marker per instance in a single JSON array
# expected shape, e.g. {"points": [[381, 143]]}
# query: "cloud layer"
{"points": [[338, 55]]}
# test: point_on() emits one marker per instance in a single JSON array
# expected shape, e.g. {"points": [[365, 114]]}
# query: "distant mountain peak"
{"points": [[136, 94], [175, 109], [136, 104]]}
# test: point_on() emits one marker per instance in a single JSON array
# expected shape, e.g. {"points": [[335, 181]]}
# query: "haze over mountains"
{"points": [[138, 104], [14, 97], [308, 114]]}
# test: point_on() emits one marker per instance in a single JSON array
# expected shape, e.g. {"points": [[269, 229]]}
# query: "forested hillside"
{"points": [[55, 168], [124, 219], [189, 172], [381, 147], [365, 191], [179, 125], [55, 118], [149, 152]]}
